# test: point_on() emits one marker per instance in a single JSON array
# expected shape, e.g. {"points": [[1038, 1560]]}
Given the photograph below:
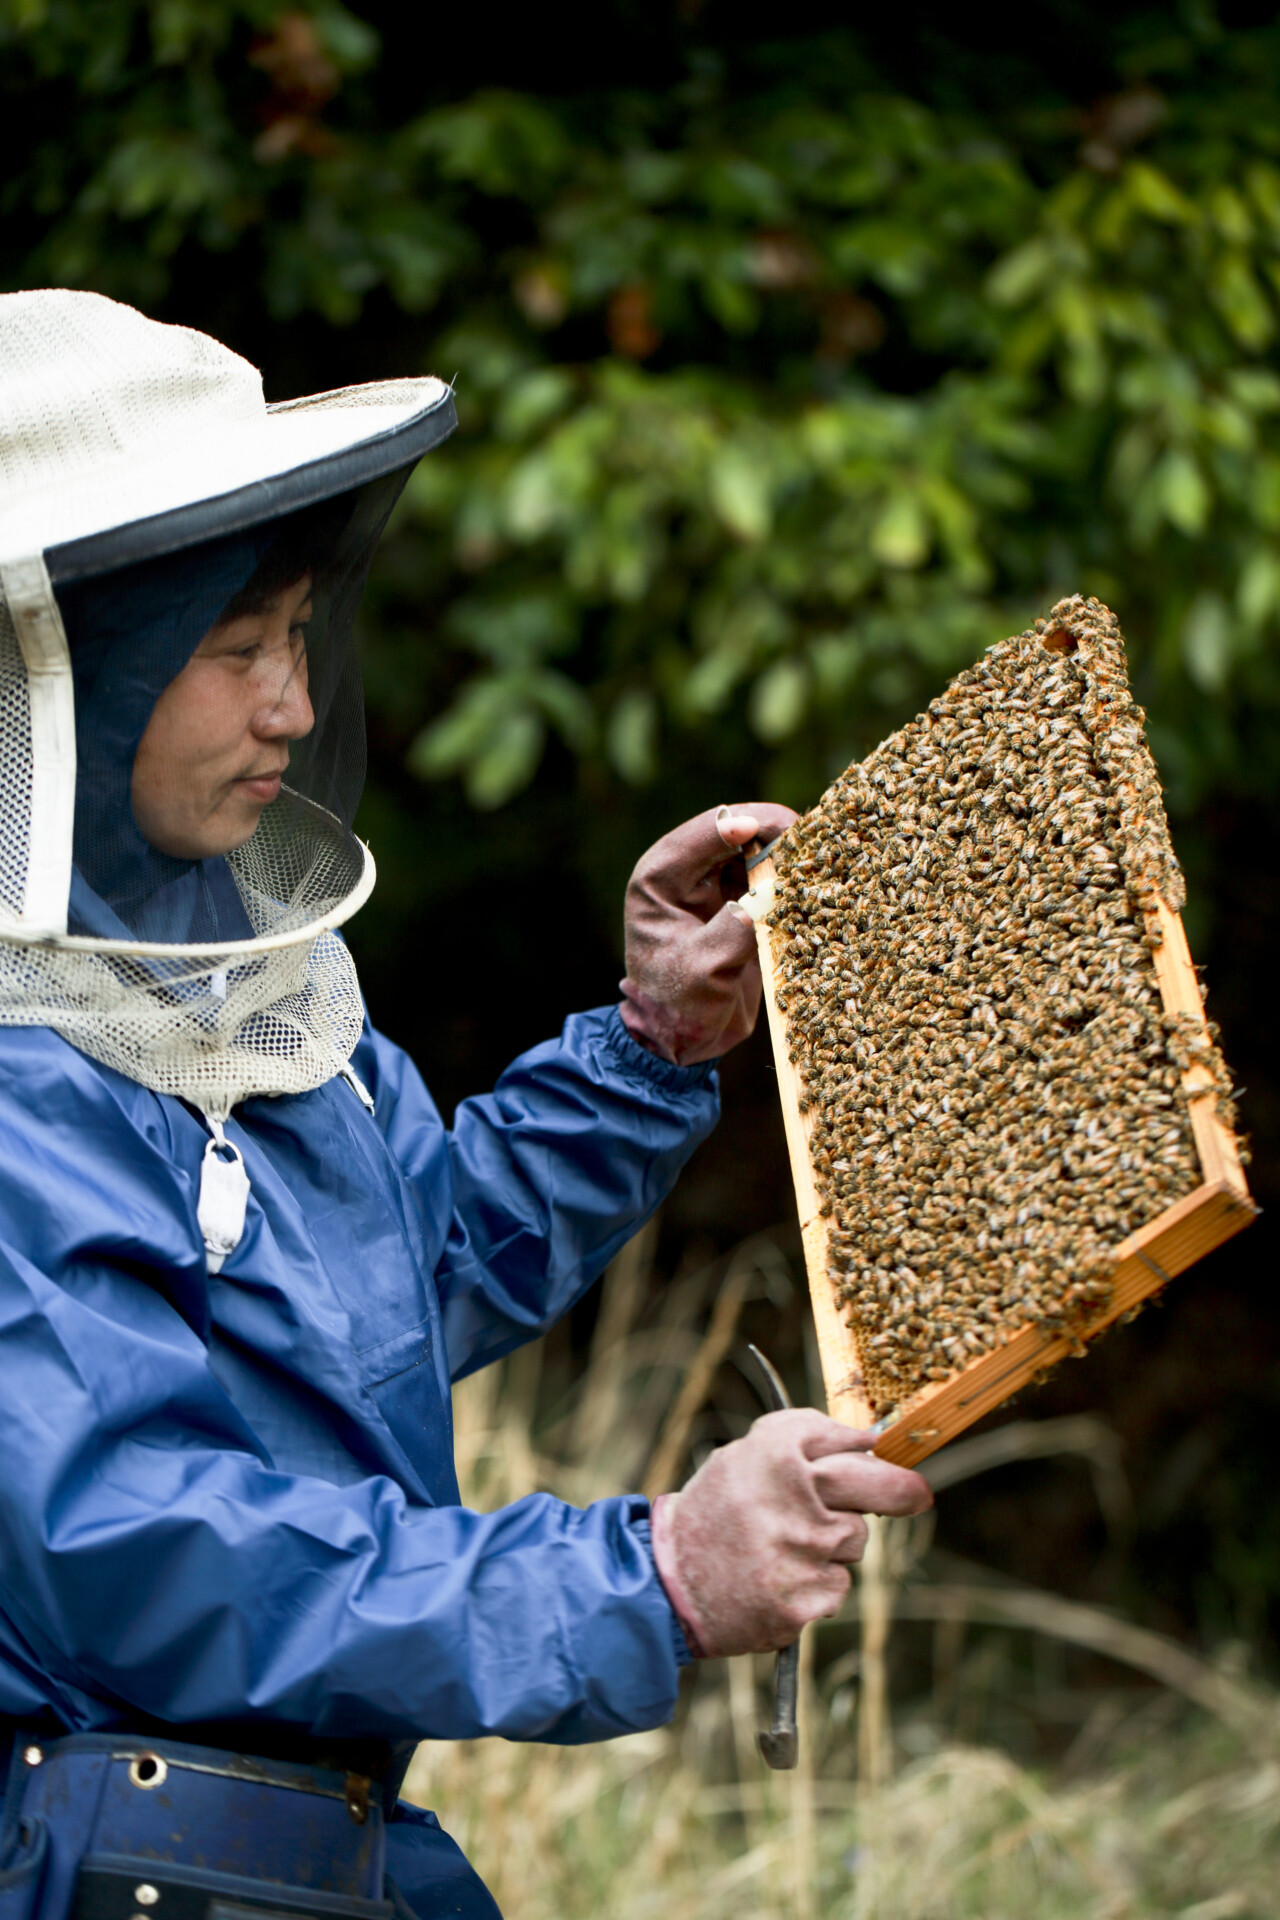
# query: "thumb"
{"points": [[676, 870]]}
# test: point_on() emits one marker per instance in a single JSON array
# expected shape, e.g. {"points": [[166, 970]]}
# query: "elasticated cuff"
{"points": [[631, 1058]]}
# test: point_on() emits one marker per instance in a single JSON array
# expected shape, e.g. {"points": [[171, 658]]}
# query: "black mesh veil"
{"points": [[204, 863], [219, 758]]}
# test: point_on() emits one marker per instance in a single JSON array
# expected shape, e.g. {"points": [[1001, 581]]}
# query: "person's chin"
{"points": [[233, 832]]}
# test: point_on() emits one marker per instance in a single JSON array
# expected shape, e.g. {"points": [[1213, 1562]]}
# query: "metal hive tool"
{"points": [[1008, 1120]]}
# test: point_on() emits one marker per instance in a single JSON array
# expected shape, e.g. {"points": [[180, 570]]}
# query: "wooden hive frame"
{"points": [[1179, 1236]]}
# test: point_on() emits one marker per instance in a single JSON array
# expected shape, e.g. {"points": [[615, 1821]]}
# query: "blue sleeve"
{"points": [[152, 1560], [542, 1181]]}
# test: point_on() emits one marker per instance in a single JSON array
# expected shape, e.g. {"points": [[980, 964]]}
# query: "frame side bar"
{"points": [[1180, 992], [842, 1374]]}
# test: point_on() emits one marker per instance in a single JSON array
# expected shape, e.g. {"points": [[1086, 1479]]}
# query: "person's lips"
{"points": [[263, 787]]}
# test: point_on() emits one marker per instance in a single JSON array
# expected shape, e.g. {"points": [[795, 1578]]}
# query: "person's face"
{"points": [[217, 744]]}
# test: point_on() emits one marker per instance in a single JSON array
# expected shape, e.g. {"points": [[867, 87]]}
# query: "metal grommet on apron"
{"points": [[148, 1770]]}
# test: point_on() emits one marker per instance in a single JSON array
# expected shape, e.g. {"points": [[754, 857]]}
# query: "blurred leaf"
{"points": [[1206, 641], [1256, 388], [900, 536], [1022, 272], [1258, 593], [1182, 491], [515, 630], [353, 43], [567, 707], [503, 143], [532, 400], [1243, 304], [778, 700], [835, 658], [1156, 194], [1230, 215], [507, 762], [739, 492], [464, 732], [632, 737]]}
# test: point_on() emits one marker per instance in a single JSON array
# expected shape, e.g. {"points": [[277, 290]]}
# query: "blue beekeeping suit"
{"points": [[229, 1518], [236, 1501]]}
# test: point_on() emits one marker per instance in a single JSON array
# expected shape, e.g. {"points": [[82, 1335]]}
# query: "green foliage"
{"points": [[781, 393]]}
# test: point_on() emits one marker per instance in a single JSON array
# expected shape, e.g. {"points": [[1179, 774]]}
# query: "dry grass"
{"points": [[1166, 1803], [1181, 1826]]}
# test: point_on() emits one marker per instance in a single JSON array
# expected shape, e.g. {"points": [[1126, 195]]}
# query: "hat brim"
{"points": [[295, 454]]}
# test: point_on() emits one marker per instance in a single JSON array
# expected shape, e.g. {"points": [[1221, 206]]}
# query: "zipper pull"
{"points": [[357, 1086], [224, 1196]]}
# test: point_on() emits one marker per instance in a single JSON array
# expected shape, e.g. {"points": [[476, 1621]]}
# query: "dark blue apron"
{"points": [[126, 1827]]}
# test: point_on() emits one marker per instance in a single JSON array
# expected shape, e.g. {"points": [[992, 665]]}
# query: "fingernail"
{"points": [[726, 817]]}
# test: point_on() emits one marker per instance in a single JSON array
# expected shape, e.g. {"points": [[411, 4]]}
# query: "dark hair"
{"points": [[306, 543]]}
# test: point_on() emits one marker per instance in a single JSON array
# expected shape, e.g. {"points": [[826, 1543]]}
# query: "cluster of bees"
{"points": [[963, 941]]}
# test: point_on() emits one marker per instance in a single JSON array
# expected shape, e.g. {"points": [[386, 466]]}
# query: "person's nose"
{"points": [[285, 712]]}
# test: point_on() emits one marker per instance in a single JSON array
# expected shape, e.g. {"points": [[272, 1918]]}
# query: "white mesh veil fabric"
{"points": [[211, 978], [213, 1029]]}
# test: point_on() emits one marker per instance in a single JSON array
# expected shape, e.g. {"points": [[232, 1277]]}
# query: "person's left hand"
{"points": [[692, 988]]}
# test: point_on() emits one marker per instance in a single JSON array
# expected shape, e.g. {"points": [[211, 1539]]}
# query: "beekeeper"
{"points": [[240, 1257]]}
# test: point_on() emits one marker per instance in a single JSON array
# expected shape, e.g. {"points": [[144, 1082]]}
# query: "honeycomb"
{"points": [[963, 931]]}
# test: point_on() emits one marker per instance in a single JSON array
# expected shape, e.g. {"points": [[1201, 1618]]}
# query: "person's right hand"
{"points": [[692, 989], [761, 1540]]}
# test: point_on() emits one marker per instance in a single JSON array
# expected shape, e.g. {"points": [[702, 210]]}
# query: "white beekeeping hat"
{"points": [[121, 438], [149, 495]]}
